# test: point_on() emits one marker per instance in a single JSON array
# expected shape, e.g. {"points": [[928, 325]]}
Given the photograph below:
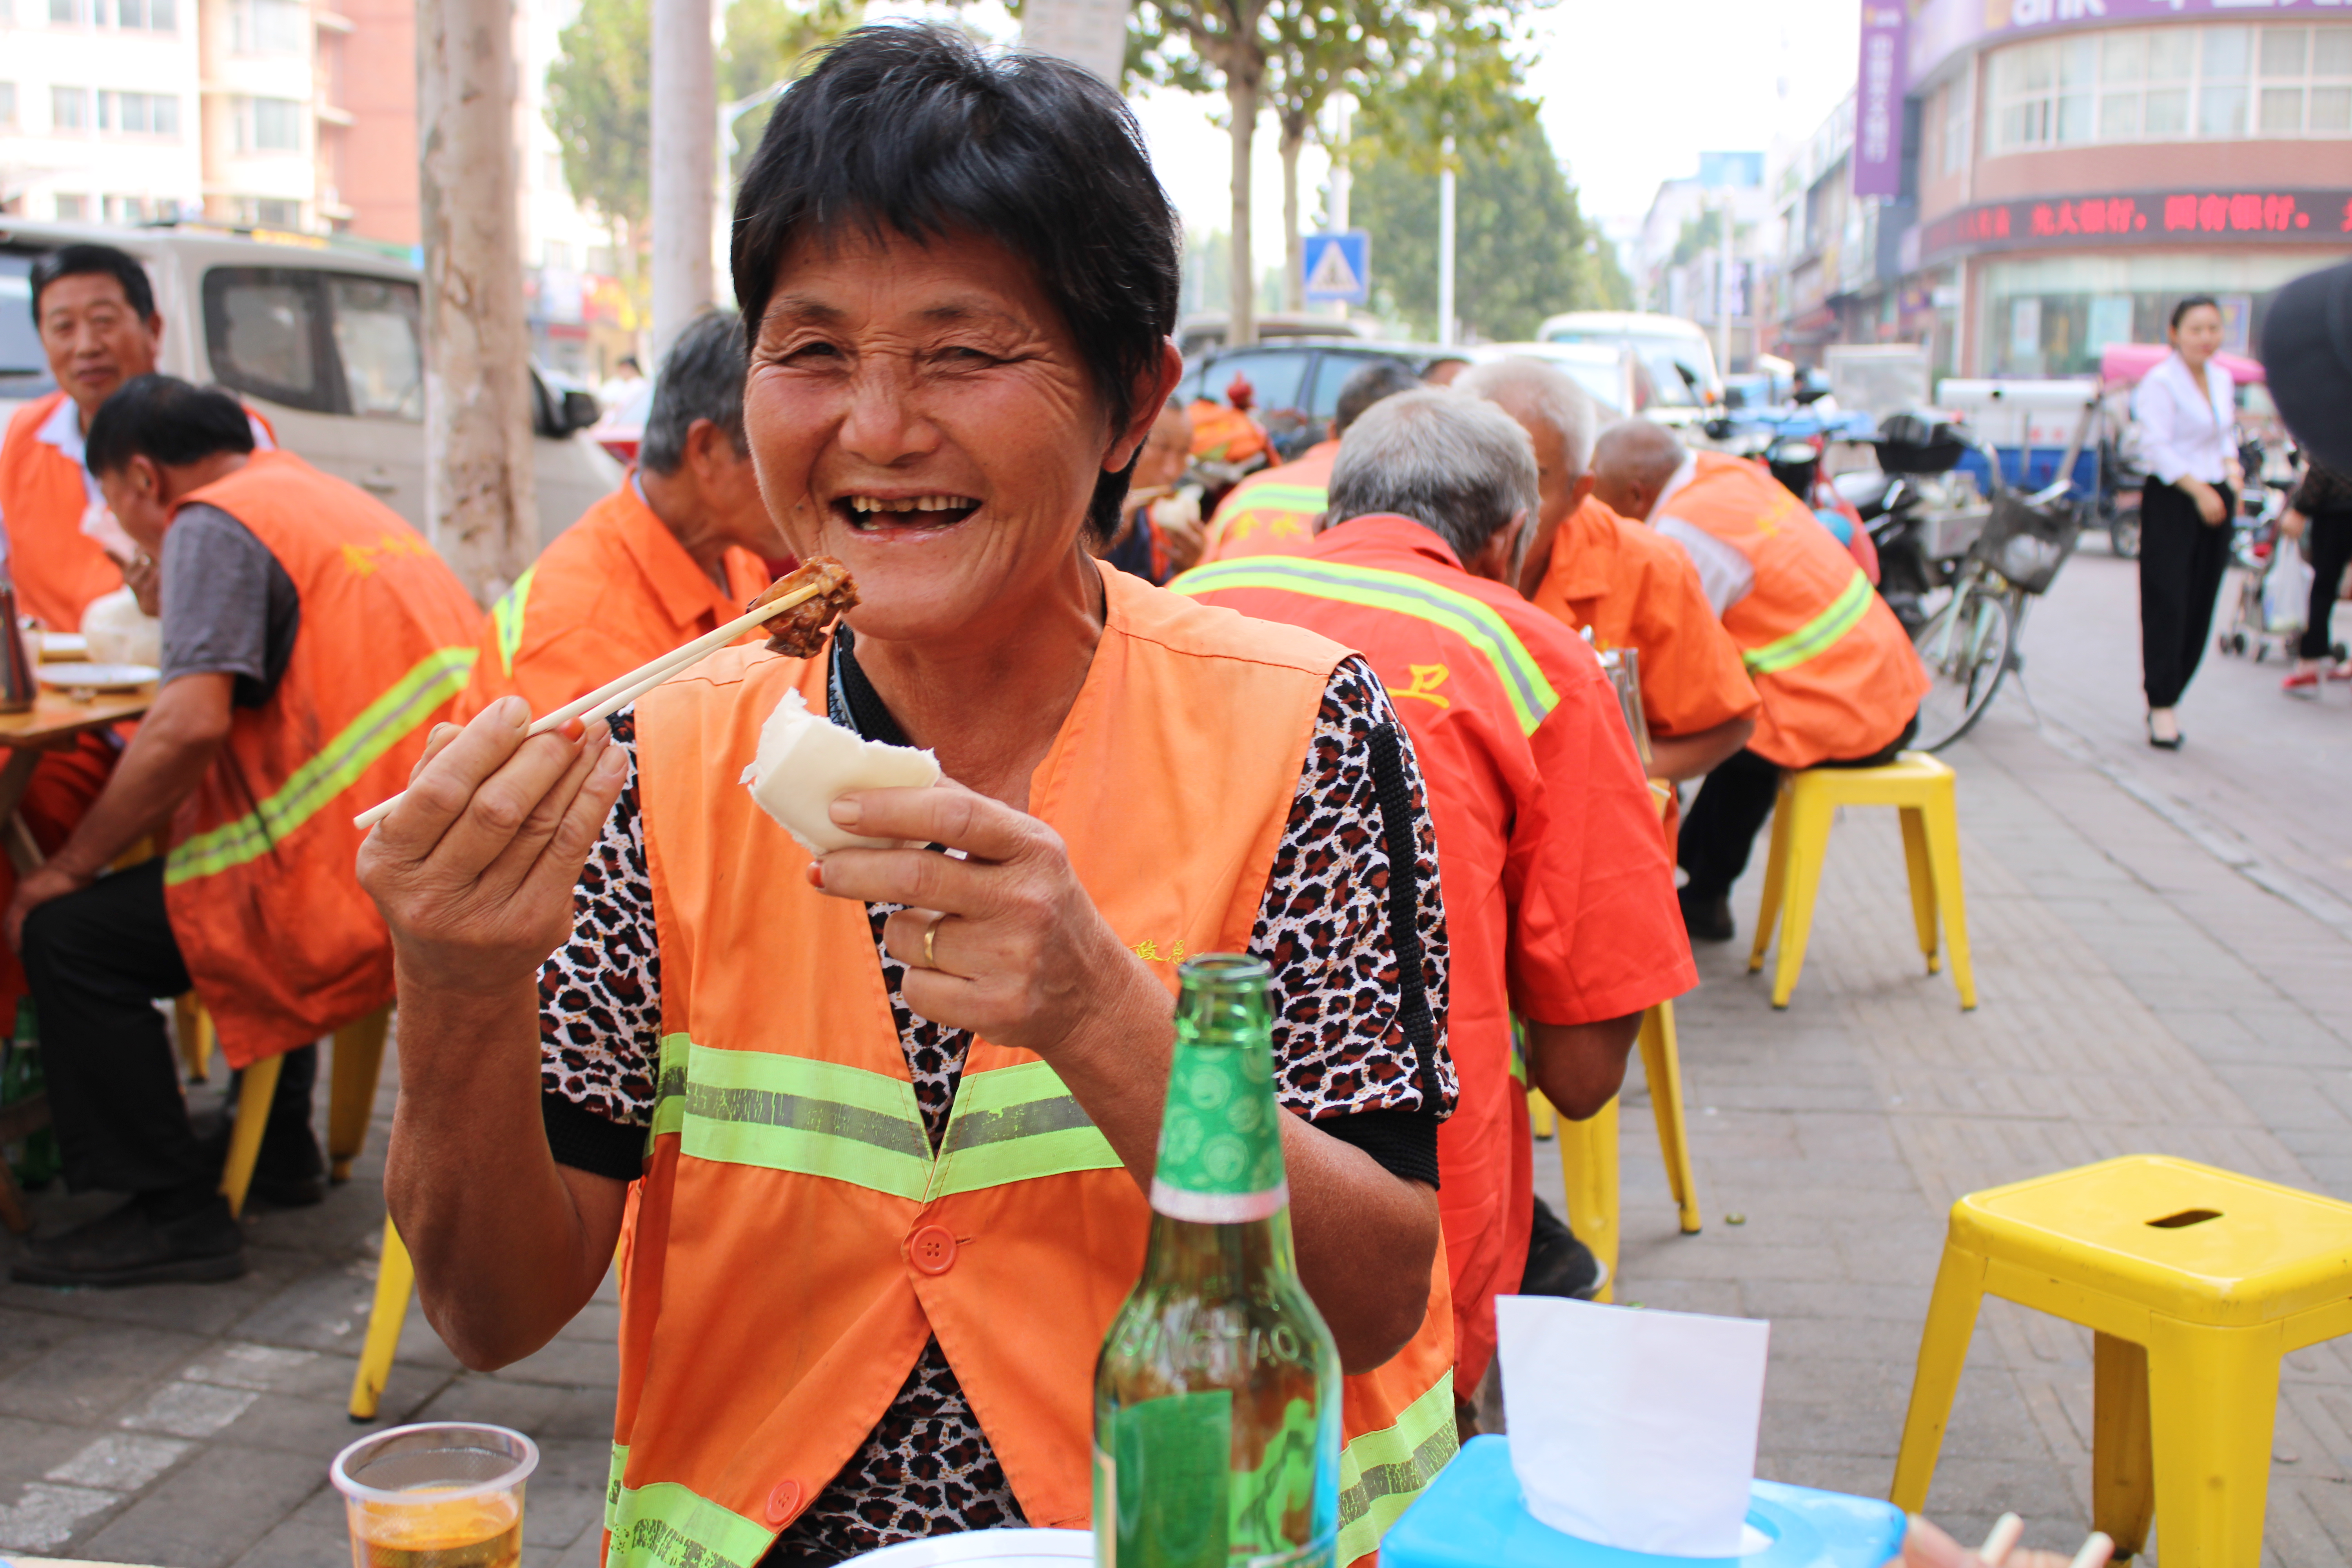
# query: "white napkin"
{"points": [[1632, 1428]]}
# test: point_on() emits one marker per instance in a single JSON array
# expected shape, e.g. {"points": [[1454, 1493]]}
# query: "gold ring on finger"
{"points": [[930, 959]]}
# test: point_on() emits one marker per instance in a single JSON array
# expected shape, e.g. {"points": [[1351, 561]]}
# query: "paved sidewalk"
{"points": [[2138, 993]]}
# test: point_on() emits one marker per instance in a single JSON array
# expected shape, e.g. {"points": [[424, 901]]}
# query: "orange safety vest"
{"points": [[258, 879], [1275, 511], [1836, 672], [797, 1241], [1224, 434], [614, 590], [57, 568]]}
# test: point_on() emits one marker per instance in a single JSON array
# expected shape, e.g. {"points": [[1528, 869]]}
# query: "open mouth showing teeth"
{"points": [[867, 513]]}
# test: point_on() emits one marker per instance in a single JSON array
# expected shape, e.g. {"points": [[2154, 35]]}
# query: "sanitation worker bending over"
{"points": [[1840, 687], [677, 550], [309, 638], [889, 1119]]}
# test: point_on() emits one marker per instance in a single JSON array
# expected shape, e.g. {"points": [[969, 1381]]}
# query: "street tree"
{"points": [[768, 44], [1524, 249], [599, 105]]}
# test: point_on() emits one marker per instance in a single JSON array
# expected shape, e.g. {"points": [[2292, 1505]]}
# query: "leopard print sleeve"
{"points": [[600, 993], [1341, 1039]]}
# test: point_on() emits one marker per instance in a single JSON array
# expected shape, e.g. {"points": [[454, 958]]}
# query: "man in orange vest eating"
{"points": [[1559, 895], [679, 547], [1840, 683], [1273, 511], [310, 637]]}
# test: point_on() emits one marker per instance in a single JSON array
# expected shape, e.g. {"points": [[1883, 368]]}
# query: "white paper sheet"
{"points": [[1632, 1428]]}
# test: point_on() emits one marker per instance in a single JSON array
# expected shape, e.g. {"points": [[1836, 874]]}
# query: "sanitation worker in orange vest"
{"points": [[1559, 895], [1840, 683], [94, 310], [885, 1125], [676, 552], [1631, 587], [310, 638], [1273, 511]]}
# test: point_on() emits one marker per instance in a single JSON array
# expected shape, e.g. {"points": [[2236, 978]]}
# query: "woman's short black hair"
{"points": [[2180, 312], [912, 129], [94, 260], [166, 421]]}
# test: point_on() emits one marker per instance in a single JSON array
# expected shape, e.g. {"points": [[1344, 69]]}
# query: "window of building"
{"points": [[268, 212], [268, 26], [1954, 134], [69, 109], [138, 113], [7, 103], [65, 12], [269, 124], [149, 15], [2154, 84], [72, 209]]}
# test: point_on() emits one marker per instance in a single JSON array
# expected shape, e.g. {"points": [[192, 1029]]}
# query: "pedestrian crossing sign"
{"points": [[1338, 267]]}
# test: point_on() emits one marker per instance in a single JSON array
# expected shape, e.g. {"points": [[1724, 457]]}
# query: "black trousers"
{"points": [[96, 959], [2181, 559], [2330, 541], [1733, 806]]}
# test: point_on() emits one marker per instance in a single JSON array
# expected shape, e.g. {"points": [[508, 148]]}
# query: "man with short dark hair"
{"points": [[1559, 900], [309, 638], [673, 552], [1274, 510]]}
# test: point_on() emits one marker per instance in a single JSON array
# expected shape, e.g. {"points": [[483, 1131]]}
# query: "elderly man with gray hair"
{"points": [[1559, 896], [672, 553], [1632, 587]]}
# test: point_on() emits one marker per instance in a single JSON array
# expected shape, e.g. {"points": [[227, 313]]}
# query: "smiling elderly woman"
{"points": [[959, 274]]}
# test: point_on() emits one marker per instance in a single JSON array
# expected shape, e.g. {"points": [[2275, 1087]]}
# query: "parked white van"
{"points": [[325, 340], [1680, 360]]}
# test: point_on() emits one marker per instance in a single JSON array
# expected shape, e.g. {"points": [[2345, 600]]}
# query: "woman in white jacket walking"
{"points": [[2188, 417]]}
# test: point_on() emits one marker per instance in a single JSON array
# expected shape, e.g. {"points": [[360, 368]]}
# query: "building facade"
{"points": [[2073, 168]]}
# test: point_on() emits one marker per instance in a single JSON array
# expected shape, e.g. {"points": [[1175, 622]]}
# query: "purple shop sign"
{"points": [[1942, 28], [1878, 101]]}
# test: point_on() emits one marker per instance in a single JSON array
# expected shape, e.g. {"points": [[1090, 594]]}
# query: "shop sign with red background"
{"points": [[2142, 217]]}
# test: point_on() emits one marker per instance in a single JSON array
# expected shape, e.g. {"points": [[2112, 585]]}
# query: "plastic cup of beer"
{"points": [[446, 1494]]}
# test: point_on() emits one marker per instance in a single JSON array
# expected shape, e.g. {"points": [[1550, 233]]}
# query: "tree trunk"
{"points": [[684, 162], [481, 504], [1241, 98], [1294, 248]]}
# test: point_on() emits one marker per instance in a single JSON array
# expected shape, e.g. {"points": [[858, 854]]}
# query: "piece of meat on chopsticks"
{"points": [[800, 631]]}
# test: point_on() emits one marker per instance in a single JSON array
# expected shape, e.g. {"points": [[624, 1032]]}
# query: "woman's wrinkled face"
{"points": [[922, 413], [2199, 334]]}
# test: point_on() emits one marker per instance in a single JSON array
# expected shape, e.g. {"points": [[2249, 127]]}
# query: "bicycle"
{"points": [[1969, 643]]}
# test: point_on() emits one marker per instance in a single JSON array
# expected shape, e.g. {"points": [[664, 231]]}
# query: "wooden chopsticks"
{"points": [[616, 694]]}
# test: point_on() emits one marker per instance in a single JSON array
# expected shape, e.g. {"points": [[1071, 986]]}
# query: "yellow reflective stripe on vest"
{"points": [[1381, 1472], [1531, 694], [1014, 1124], [813, 1118], [506, 615], [666, 1525], [822, 1118], [1816, 636], [382, 725], [1310, 499]]}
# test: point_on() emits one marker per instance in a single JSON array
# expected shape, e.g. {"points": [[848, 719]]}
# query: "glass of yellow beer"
{"points": [[448, 1494]]}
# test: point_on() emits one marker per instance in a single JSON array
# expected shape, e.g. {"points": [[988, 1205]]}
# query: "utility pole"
{"points": [[1726, 281], [481, 507], [1445, 250], [1340, 177], [685, 148]]}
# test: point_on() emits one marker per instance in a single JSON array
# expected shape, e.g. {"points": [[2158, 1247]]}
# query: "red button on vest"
{"points": [[932, 1249], [783, 1502]]}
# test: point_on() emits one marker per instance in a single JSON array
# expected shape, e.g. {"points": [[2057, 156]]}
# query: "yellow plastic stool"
{"points": [[395, 1281], [2197, 1282], [1588, 1149], [350, 1099], [1921, 787]]}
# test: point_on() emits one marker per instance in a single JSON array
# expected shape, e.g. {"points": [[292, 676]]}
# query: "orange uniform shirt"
{"points": [[1559, 895], [1273, 512], [614, 590], [1637, 590]]}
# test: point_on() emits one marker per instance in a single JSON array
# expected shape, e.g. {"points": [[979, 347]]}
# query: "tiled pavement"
{"points": [[2138, 994]]}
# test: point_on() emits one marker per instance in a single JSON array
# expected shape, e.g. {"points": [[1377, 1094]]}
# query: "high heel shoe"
{"points": [[2163, 743]]}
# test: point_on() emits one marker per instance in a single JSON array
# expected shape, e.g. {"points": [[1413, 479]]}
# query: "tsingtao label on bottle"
{"points": [[1220, 1139]]}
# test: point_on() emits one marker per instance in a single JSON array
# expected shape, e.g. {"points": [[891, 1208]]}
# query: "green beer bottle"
{"points": [[1217, 1393]]}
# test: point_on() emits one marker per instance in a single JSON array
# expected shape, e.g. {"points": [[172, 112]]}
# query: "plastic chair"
{"points": [[1587, 1148], [357, 1065], [2195, 1282], [1915, 783]]}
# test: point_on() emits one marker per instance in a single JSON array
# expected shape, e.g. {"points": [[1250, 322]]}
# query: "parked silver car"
{"points": [[325, 340]]}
